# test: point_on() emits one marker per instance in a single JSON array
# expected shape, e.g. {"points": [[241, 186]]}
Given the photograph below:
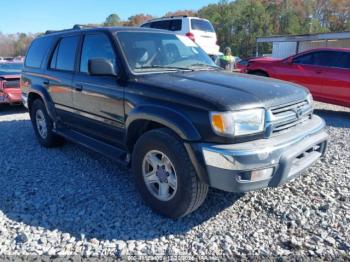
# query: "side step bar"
{"points": [[105, 149]]}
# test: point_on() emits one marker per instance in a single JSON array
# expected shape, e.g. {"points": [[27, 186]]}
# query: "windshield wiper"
{"points": [[202, 65], [172, 68]]}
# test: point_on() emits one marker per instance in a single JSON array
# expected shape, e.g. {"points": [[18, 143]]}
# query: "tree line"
{"points": [[237, 23]]}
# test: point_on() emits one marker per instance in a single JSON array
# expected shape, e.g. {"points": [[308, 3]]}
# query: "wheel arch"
{"points": [[145, 118], [252, 72], [38, 93]]}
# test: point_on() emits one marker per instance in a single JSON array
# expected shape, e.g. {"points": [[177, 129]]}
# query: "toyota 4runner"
{"points": [[155, 101]]}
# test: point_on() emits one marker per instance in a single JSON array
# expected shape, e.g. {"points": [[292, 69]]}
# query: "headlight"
{"points": [[310, 99], [240, 123]]}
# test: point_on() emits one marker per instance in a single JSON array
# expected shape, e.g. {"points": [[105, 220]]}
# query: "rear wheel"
{"points": [[43, 125], [165, 176]]}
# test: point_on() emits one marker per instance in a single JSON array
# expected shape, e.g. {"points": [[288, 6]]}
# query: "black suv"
{"points": [[154, 100]]}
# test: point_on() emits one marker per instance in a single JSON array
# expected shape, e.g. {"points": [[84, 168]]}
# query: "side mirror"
{"points": [[101, 67], [290, 60]]}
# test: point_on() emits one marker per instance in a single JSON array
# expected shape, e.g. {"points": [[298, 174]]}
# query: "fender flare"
{"points": [[166, 116], [45, 97]]}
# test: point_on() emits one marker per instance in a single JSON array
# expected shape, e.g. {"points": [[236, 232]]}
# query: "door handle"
{"points": [[79, 87], [46, 82], [318, 72]]}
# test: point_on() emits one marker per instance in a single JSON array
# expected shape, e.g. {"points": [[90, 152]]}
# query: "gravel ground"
{"points": [[70, 201]]}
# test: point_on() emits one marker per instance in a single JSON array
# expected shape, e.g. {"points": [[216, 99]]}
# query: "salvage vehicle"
{"points": [[10, 92], [177, 119], [324, 71]]}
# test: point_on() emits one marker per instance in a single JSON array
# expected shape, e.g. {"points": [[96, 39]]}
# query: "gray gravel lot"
{"points": [[70, 201]]}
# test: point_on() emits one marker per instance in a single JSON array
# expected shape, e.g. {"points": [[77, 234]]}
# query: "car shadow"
{"points": [[79, 192], [339, 119], [11, 109]]}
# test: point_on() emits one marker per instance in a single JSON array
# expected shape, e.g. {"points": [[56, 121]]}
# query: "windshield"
{"points": [[153, 51], [10, 68]]}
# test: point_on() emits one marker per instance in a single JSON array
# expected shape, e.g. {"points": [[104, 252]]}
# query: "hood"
{"points": [[227, 91], [265, 59]]}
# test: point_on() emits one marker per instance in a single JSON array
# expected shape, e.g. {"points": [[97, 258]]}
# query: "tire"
{"points": [[189, 192], [259, 73], [41, 122]]}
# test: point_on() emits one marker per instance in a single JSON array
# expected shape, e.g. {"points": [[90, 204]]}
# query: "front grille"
{"points": [[11, 84], [282, 118]]}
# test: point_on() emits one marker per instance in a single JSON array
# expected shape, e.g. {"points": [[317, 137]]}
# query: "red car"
{"points": [[10, 92], [325, 72]]}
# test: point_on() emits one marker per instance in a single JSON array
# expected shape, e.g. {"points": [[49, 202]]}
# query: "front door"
{"points": [[98, 100]]}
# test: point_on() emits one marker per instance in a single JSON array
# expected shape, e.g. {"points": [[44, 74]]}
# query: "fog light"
{"points": [[261, 174]]}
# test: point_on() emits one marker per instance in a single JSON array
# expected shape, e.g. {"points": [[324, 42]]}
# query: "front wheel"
{"points": [[165, 176]]}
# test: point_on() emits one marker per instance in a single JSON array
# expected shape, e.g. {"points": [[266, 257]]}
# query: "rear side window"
{"points": [[96, 46], [176, 25], [37, 52], [164, 24], [202, 25], [64, 54], [326, 58], [343, 60]]}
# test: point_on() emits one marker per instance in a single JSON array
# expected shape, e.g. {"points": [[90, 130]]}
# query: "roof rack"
{"points": [[75, 27], [165, 17], [79, 27], [175, 16]]}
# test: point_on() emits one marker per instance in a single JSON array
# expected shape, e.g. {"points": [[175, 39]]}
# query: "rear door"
{"points": [[60, 71], [204, 35], [99, 100], [335, 85]]}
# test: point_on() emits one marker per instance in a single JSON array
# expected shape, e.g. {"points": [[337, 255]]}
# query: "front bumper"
{"points": [[286, 156], [24, 99]]}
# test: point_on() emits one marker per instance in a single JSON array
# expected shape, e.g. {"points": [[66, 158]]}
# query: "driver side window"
{"points": [[307, 59], [96, 46]]}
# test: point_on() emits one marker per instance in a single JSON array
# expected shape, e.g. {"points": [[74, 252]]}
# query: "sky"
{"points": [[32, 16]]}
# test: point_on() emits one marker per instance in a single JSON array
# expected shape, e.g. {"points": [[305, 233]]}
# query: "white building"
{"points": [[284, 46]]}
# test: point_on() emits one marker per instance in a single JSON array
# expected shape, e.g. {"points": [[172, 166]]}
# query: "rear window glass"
{"points": [[343, 60], [202, 25], [165, 24], [64, 55], [172, 25], [326, 58], [176, 25], [37, 52]]}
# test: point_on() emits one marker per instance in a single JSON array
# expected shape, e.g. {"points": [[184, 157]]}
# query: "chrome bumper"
{"points": [[230, 167]]}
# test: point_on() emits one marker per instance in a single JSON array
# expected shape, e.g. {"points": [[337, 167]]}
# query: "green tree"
{"points": [[182, 13], [112, 20], [138, 19]]}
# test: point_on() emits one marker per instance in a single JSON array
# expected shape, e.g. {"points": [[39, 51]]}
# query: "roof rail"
{"points": [[165, 17], [79, 27], [75, 27], [175, 16]]}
